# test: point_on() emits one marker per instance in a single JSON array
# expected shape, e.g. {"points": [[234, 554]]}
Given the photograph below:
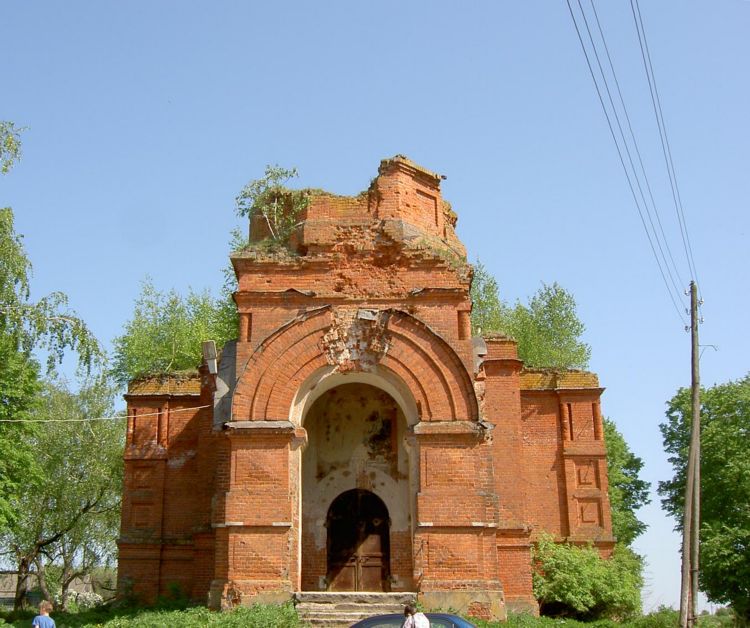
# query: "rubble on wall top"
{"points": [[553, 379], [498, 336], [176, 383], [403, 159]]}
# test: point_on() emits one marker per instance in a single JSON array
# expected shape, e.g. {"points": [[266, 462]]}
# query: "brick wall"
{"points": [[373, 291]]}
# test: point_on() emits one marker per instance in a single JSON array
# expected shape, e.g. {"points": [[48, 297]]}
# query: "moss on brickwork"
{"points": [[551, 379], [177, 383]]}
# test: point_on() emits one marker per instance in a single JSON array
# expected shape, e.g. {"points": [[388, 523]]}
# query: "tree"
{"points": [[488, 312], [627, 492], [269, 198], [237, 242], [19, 384], [575, 581], [10, 145], [70, 512], [548, 330], [166, 332], [46, 324], [167, 329], [571, 580], [725, 486], [26, 326]]}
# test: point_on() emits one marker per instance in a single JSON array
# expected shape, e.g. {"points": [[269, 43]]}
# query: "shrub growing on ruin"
{"points": [[575, 581]]}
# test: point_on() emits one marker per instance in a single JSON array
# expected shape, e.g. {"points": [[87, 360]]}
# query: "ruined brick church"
{"points": [[356, 437]]}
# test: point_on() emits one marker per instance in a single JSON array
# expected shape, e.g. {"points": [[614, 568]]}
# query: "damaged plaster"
{"points": [[357, 339], [357, 437]]}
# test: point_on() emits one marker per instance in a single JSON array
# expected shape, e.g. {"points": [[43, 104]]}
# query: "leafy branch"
{"points": [[269, 198], [10, 145]]}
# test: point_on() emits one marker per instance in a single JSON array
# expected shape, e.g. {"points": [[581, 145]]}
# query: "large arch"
{"points": [[414, 358], [328, 348]]}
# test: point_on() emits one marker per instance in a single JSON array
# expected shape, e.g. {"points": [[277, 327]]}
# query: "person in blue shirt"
{"points": [[43, 620]]}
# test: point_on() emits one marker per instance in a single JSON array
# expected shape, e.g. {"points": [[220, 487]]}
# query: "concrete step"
{"points": [[362, 597], [348, 608], [323, 609], [368, 610]]}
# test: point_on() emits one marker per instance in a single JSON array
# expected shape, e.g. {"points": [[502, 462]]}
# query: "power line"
{"points": [[626, 146], [102, 418], [622, 159], [666, 150], [635, 144]]}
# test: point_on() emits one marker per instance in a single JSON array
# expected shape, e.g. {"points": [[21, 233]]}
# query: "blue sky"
{"points": [[146, 118]]}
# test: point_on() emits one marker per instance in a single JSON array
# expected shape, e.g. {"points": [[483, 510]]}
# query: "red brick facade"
{"points": [[356, 436]]}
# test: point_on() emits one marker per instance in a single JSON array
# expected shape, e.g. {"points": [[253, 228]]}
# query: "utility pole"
{"points": [[691, 518]]}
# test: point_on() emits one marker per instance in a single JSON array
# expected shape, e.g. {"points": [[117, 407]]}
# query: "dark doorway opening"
{"points": [[358, 543]]}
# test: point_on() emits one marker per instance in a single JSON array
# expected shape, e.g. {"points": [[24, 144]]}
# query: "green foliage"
{"points": [[26, 326], [89, 544], [548, 330], [284, 616], [10, 145], [627, 492], [166, 332], [269, 198], [68, 510], [525, 620], [257, 616], [237, 242], [575, 581], [725, 486], [664, 617], [19, 384], [488, 312], [46, 324]]}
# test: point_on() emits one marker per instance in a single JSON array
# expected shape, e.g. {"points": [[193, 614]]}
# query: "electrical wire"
{"points": [[102, 418], [677, 290], [666, 149], [622, 161], [637, 150]]}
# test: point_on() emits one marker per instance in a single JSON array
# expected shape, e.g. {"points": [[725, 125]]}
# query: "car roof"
{"points": [[400, 616]]}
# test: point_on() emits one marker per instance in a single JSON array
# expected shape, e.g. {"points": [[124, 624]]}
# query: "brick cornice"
{"points": [[450, 428]]}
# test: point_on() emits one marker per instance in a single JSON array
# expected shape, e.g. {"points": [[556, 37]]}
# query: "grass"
{"points": [[284, 616], [258, 616], [663, 618]]}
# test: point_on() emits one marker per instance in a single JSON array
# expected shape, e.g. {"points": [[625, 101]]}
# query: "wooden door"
{"points": [[358, 543]]}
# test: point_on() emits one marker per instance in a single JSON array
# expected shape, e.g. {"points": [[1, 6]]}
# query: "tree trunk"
{"points": [[20, 600], [41, 577], [67, 577]]}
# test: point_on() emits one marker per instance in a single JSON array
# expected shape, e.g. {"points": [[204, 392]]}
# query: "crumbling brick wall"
{"points": [[369, 297]]}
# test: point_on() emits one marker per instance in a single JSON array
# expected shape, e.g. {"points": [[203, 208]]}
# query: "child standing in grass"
{"points": [[43, 620]]}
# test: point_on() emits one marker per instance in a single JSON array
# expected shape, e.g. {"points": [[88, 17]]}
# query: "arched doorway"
{"points": [[358, 547], [357, 440]]}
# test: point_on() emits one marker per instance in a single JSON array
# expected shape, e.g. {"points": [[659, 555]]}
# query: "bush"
{"points": [[79, 600], [574, 581]]}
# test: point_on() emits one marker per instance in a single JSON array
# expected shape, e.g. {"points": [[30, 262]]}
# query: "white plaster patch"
{"points": [[356, 436], [178, 462], [357, 339]]}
